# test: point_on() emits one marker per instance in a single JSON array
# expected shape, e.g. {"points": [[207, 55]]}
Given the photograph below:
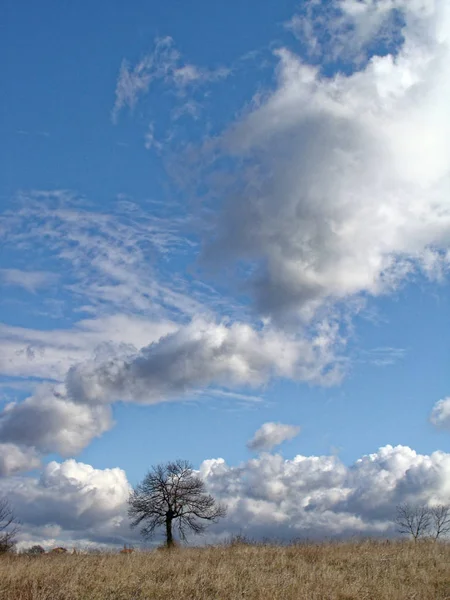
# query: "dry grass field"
{"points": [[335, 571]]}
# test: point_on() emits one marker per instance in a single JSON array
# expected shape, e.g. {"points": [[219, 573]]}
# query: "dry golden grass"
{"points": [[346, 571]]}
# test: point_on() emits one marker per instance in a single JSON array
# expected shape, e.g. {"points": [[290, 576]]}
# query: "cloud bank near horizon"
{"points": [[312, 497]]}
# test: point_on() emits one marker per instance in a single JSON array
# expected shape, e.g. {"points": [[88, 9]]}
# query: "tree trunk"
{"points": [[169, 536]]}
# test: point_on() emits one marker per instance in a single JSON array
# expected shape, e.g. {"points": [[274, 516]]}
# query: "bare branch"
{"points": [[9, 526], [172, 492], [413, 520], [440, 517]]}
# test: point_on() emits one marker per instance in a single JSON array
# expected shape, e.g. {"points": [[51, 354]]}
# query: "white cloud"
{"points": [[342, 190], [48, 354], [107, 260], [124, 355], [48, 422], [348, 30], [71, 502], [105, 360], [340, 185], [383, 356], [187, 74], [14, 458], [246, 398], [312, 497], [202, 354], [134, 82], [270, 435], [165, 64], [435, 264], [440, 415], [320, 497], [150, 140], [29, 280]]}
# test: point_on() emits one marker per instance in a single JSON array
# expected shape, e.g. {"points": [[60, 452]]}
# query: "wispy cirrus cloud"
{"points": [[164, 64], [150, 338], [348, 32], [48, 354], [111, 260], [28, 280], [383, 356]]}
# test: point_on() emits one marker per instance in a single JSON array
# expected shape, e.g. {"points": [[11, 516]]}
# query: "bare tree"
{"points": [[9, 526], [414, 520], [440, 519], [172, 492], [35, 550]]}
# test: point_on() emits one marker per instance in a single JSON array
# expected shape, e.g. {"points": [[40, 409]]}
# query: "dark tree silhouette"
{"points": [[440, 518], [413, 520], [170, 493], [9, 526], [35, 550]]}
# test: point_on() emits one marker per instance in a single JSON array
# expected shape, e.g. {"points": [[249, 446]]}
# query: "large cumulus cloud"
{"points": [[70, 502], [307, 496], [318, 496], [340, 184]]}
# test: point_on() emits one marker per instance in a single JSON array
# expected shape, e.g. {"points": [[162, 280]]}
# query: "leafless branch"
{"points": [[440, 517], [9, 526], [172, 492], [413, 520]]}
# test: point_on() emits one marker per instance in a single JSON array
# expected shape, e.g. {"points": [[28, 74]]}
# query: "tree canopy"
{"points": [[173, 492], [9, 526]]}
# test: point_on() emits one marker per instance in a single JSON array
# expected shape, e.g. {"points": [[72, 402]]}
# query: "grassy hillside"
{"points": [[345, 571]]}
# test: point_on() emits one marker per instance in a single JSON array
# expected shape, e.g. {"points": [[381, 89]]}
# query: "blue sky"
{"points": [[217, 219]]}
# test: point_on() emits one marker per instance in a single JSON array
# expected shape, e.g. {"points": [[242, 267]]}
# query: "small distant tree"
{"points": [[440, 519], [414, 520], [9, 526], [35, 550], [172, 493], [419, 520]]}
